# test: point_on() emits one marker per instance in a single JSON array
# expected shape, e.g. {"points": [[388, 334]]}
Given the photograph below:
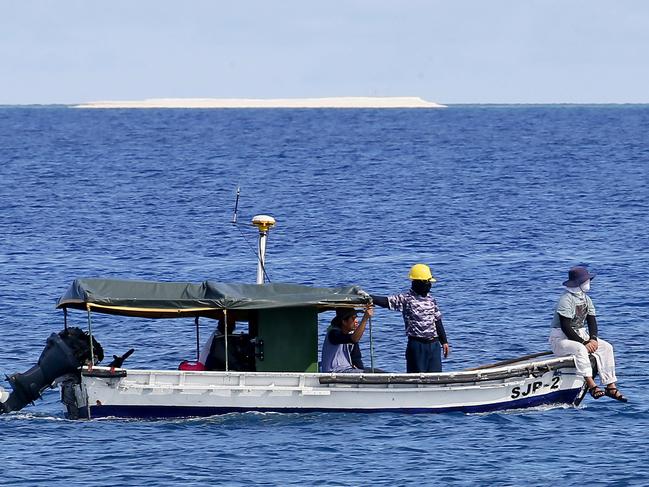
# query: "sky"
{"points": [[452, 51]]}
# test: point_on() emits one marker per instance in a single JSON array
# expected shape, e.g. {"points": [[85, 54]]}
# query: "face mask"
{"points": [[585, 286], [421, 287]]}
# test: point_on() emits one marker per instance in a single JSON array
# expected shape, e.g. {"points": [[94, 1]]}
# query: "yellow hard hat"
{"points": [[421, 272]]}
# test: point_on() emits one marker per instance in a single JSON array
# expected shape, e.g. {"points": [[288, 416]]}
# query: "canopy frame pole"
{"points": [[198, 340], [65, 318], [225, 319], [92, 350], [371, 347]]}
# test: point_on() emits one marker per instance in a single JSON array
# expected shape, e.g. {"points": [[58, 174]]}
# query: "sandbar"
{"points": [[338, 102]]}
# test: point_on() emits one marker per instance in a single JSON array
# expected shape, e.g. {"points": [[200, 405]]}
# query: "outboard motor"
{"points": [[64, 353]]}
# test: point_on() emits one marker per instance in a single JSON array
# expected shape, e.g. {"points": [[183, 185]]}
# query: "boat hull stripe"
{"points": [[567, 397]]}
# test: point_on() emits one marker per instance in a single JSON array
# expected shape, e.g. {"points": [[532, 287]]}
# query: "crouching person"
{"points": [[340, 350]]}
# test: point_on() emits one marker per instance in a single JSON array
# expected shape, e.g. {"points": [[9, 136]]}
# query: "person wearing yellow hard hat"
{"points": [[423, 321]]}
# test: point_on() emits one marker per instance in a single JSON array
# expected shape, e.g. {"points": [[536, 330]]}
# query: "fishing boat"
{"points": [[282, 370]]}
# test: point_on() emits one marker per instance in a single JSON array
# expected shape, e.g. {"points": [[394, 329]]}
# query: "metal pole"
{"points": [[371, 347], [263, 224], [92, 350], [198, 341], [65, 318], [92, 359], [261, 265], [225, 318], [236, 206]]}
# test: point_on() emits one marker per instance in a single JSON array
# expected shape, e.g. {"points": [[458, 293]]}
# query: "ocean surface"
{"points": [[499, 200]]}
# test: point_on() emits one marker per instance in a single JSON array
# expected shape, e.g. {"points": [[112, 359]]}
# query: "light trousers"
{"points": [[562, 346]]}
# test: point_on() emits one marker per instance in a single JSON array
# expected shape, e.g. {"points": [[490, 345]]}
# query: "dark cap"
{"points": [[577, 276], [345, 313]]}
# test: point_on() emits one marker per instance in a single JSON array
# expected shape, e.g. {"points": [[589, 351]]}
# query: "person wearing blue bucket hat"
{"points": [[569, 336]]}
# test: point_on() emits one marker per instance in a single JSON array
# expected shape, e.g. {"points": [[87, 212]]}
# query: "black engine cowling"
{"points": [[64, 353]]}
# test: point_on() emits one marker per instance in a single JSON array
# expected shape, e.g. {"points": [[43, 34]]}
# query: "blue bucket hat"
{"points": [[577, 276]]}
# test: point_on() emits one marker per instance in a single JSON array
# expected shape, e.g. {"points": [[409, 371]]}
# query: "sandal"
{"points": [[596, 392], [613, 393]]}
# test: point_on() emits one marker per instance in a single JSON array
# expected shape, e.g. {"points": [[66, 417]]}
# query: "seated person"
{"points": [[240, 351], [205, 351], [340, 350], [569, 336]]}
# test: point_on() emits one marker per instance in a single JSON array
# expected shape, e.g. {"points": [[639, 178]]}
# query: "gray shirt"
{"points": [[337, 354], [574, 307]]}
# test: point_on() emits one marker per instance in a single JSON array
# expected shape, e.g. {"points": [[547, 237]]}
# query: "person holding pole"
{"points": [[340, 350]]}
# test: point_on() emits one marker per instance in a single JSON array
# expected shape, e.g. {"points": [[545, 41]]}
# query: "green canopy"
{"points": [[152, 299]]}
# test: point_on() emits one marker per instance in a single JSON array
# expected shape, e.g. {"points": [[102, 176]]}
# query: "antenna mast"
{"points": [[236, 205], [263, 224]]}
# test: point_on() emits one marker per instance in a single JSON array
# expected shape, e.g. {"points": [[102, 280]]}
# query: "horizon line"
{"points": [[324, 102]]}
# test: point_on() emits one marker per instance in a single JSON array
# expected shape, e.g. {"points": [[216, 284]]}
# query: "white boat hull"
{"points": [[159, 394]]}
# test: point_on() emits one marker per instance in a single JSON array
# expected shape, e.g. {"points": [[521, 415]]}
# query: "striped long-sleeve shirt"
{"points": [[420, 314]]}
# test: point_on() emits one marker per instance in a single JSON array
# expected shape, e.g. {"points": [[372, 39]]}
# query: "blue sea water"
{"points": [[500, 201]]}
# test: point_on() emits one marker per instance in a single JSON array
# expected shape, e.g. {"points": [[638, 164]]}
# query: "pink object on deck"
{"points": [[187, 365]]}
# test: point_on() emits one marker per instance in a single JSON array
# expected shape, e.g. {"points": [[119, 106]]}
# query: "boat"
{"points": [[283, 373]]}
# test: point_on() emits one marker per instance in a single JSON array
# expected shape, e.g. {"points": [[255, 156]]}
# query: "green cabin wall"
{"points": [[290, 338]]}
